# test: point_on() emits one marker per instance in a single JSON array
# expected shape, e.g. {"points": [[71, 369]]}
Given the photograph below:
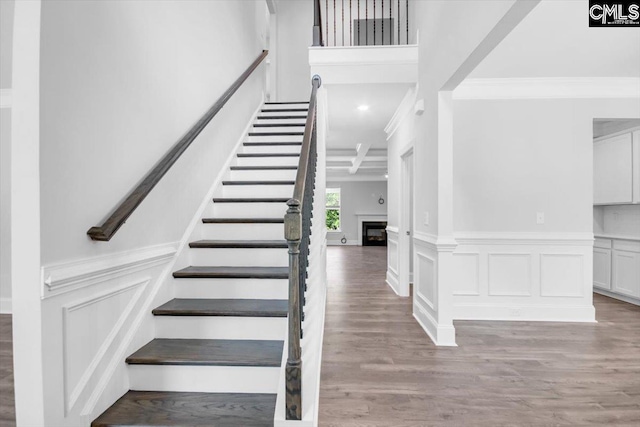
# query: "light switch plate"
{"points": [[540, 217]]}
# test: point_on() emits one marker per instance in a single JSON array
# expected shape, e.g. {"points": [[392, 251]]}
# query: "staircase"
{"points": [[217, 355]]}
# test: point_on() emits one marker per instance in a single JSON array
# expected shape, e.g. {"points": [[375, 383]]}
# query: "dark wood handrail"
{"points": [[120, 214], [297, 231]]}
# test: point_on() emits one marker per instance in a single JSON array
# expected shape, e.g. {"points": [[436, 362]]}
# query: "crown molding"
{"points": [[549, 88]]}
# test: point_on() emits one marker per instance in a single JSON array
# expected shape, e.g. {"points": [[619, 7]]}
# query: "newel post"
{"points": [[293, 234]]}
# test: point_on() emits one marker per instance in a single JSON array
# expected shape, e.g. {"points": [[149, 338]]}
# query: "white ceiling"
{"points": [[350, 128], [555, 40]]}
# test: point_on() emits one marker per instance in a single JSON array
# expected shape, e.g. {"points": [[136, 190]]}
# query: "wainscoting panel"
{"points": [[524, 276], [426, 288], [561, 275], [467, 273], [95, 312], [392, 259], [509, 274]]}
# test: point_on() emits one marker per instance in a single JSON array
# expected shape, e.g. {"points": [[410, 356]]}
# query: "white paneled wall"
{"points": [[521, 276]]}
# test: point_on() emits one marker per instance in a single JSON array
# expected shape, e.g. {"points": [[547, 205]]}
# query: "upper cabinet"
{"points": [[616, 169]]}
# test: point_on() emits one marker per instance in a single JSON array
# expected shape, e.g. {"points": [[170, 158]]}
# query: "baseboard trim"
{"points": [[527, 313], [392, 281], [442, 336], [623, 298], [5, 306], [339, 243]]}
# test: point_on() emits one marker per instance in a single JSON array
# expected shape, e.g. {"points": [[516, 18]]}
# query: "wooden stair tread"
{"points": [[199, 272], [243, 220], [284, 102], [268, 154], [251, 199], [258, 182], [162, 351], [239, 244], [277, 125], [223, 307], [270, 144], [281, 117], [172, 409], [276, 133], [262, 168], [283, 110]]}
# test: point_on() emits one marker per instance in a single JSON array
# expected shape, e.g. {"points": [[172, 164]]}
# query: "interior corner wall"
{"points": [[121, 82], [294, 37], [357, 198], [5, 212], [443, 49], [513, 159]]}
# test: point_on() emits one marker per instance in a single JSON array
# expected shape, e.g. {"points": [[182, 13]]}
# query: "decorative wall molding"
{"points": [[66, 277], [523, 276], [74, 391], [6, 98], [548, 88], [402, 112], [501, 238]]}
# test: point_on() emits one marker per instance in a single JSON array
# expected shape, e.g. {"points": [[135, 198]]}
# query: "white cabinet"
{"points": [[616, 267], [613, 170], [625, 277], [602, 268]]}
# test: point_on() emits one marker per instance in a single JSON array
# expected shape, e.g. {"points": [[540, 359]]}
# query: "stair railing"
{"points": [[119, 215], [297, 231], [361, 22]]}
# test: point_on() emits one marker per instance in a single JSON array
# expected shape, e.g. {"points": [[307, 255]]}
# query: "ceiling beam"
{"points": [[363, 149]]}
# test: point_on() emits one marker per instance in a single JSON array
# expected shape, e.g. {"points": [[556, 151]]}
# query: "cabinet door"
{"points": [[612, 170], [626, 273], [602, 268]]}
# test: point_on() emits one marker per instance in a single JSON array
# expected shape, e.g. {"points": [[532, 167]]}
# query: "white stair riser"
{"points": [[232, 288], [300, 114], [299, 128], [274, 138], [297, 121], [212, 379], [239, 257], [271, 149], [243, 231], [257, 190], [269, 161], [249, 210], [221, 327], [263, 175]]}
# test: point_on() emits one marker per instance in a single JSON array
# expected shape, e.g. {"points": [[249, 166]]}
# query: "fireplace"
{"points": [[374, 233]]}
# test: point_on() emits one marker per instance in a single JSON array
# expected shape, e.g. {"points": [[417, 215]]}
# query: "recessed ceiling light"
{"points": [[386, 175], [363, 107]]}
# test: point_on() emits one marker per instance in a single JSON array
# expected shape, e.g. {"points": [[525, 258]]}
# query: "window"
{"points": [[333, 209]]}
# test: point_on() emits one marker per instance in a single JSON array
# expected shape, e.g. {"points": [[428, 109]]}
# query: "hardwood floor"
{"points": [[379, 368], [7, 404]]}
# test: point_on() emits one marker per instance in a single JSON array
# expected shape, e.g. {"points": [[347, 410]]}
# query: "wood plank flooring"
{"points": [[380, 369], [7, 403]]}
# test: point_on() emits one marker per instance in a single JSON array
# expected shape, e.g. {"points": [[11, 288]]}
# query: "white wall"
{"points": [[621, 220], [513, 159], [357, 198], [5, 211], [6, 42], [121, 83], [294, 37]]}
